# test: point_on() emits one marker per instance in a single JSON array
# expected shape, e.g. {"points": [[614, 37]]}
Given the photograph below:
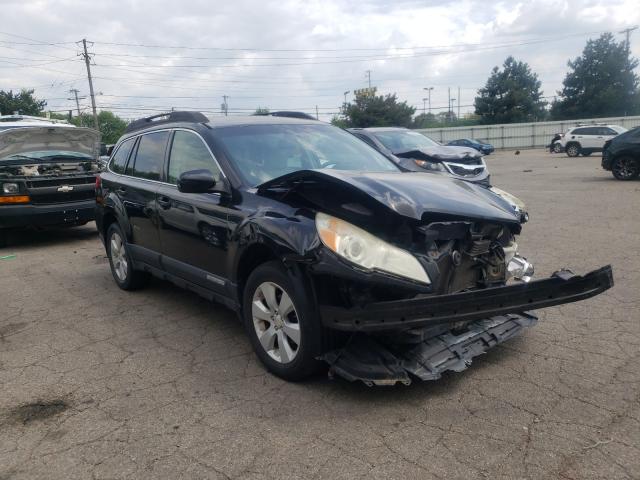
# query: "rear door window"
{"points": [[188, 152], [119, 159], [150, 155], [580, 131]]}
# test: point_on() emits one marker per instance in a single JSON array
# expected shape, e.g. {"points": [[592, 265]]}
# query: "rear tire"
{"points": [[282, 323], [125, 276], [573, 150], [625, 168]]}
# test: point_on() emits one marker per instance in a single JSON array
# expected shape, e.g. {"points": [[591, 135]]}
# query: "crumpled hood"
{"points": [[411, 195], [15, 141], [441, 153]]}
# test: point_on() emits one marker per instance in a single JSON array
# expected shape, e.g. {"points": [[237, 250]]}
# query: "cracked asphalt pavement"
{"points": [[104, 384]]}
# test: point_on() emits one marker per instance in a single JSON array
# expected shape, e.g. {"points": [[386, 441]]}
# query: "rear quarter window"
{"points": [[119, 160]]}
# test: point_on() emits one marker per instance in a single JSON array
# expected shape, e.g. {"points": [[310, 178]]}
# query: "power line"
{"points": [[386, 48]]}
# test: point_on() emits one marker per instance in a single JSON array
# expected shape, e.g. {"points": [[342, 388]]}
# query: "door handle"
{"points": [[164, 202], [121, 190]]}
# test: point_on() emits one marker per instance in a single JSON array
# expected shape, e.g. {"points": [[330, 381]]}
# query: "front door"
{"points": [[193, 226]]}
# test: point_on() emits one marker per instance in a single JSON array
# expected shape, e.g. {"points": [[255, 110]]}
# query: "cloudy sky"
{"points": [[150, 56]]}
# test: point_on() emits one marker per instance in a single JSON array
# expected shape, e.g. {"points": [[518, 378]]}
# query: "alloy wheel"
{"points": [[276, 322], [625, 168], [118, 256]]}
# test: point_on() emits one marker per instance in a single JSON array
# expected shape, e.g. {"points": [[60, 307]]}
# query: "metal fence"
{"points": [[520, 135]]}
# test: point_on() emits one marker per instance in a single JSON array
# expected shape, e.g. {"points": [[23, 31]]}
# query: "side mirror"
{"points": [[201, 181]]}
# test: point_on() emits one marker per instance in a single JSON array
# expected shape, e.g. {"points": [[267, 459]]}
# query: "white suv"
{"points": [[586, 139]]}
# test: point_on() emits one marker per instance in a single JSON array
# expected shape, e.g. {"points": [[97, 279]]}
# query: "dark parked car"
{"points": [[483, 147], [621, 155], [327, 251], [47, 175], [416, 152]]}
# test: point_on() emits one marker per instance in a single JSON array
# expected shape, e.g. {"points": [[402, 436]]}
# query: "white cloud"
{"points": [[137, 80]]}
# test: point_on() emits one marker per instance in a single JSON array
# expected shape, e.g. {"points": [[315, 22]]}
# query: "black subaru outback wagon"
{"points": [[326, 249]]}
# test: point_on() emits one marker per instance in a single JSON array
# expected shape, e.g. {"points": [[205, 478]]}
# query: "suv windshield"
{"points": [[48, 155], [264, 152], [400, 140]]}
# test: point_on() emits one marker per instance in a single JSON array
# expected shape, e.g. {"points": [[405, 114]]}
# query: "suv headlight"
{"points": [[10, 188], [367, 251], [429, 165]]}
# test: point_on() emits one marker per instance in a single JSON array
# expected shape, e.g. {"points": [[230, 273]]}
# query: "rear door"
{"points": [[193, 226], [137, 189]]}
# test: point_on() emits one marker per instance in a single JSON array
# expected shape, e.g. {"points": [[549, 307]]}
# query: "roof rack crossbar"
{"points": [[169, 117]]}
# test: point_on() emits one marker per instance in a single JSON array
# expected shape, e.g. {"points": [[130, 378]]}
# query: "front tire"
{"points": [[283, 326], [573, 150], [125, 276], [625, 168]]}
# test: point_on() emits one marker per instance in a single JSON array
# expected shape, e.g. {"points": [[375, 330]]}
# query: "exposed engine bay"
{"points": [[10, 168]]}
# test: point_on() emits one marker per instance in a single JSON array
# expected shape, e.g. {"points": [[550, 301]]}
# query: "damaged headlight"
{"points": [[366, 250], [438, 167], [520, 269]]}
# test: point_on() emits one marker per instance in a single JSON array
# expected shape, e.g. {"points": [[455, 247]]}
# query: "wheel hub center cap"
{"points": [[277, 320]]}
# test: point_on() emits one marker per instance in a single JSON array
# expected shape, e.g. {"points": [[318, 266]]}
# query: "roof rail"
{"points": [[292, 114], [169, 117]]}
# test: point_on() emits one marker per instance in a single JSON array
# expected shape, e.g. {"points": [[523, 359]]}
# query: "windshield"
{"points": [[402, 140], [48, 155], [264, 152]]}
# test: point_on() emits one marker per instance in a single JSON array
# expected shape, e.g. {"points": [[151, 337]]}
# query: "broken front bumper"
{"points": [[562, 287], [422, 353]]}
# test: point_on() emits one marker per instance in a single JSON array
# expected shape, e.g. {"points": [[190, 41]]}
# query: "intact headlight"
{"points": [[366, 250], [10, 188], [429, 165]]}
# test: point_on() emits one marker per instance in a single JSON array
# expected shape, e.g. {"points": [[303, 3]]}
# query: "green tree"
{"points": [[339, 121], [24, 103], [511, 95], [261, 111], [111, 126], [371, 110], [601, 82]]}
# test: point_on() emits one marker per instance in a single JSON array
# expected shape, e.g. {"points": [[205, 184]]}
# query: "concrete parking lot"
{"points": [[100, 383]]}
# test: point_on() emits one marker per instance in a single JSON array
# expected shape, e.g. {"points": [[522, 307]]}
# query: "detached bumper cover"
{"points": [[425, 354], [562, 287]]}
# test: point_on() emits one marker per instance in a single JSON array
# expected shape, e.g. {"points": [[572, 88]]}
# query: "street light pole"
{"points": [[453, 100], [428, 89], [345, 96]]}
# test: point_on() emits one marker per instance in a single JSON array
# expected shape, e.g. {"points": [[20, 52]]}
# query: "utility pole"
{"points": [[317, 116], [628, 31], [453, 100], [458, 103], [368, 73], [75, 92], [345, 96], [424, 106], [449, 104], [225, 105], [428, 89], [87, 61]]}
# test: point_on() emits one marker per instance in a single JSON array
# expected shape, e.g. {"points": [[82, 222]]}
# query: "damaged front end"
{"points": [[422, 272]]}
